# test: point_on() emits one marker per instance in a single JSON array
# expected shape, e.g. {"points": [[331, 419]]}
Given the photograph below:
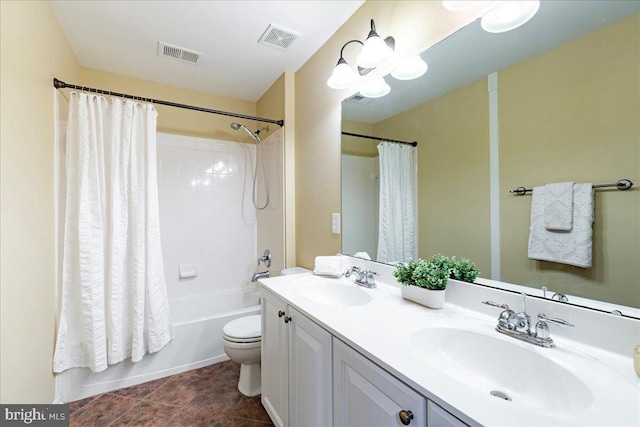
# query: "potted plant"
{"points": [[424, 280], [463, 270]]}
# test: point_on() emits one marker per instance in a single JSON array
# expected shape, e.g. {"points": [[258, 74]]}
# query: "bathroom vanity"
{"points": [[338, 354]]}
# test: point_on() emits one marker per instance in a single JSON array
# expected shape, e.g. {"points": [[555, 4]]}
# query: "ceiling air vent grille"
{"points": [[179, 53], [359, 99], [278, 37]]}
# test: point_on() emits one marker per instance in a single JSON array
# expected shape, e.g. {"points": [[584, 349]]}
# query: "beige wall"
{"points": [[415, 26], [271, 106], [177, 120], [453, 172], [573, 114], [33, 50], [355, 146], [271, 220]]}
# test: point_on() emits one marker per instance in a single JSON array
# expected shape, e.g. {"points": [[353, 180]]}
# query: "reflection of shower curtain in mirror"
{"points": [[114, 298], [398, 227]]}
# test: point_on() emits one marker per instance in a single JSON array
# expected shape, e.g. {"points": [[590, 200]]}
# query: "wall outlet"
{"points": [[335, 223]]}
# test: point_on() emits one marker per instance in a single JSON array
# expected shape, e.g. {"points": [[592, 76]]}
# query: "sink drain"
{"points": [[501, 395]]}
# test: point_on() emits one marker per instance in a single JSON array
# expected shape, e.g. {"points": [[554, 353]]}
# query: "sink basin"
{"points": [[332, 292], [503, 369]]}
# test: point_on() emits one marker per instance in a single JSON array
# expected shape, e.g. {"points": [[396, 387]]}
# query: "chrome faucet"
{"points": [[363, 277], [259, 275], [518, 325]]}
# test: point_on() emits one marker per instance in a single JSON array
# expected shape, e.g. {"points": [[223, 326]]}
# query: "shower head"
{"points": [[237, 126]]}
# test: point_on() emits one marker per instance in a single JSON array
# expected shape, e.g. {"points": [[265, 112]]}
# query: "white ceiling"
{"points": [[122, 37]]}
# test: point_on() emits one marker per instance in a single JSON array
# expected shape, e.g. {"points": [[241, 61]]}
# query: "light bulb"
{"points": [[374, 53], [410, 69], [375, 88], [342, 76], [509, 15]]}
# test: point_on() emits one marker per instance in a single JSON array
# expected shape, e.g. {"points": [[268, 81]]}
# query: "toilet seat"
{"points": [[246, 329]]}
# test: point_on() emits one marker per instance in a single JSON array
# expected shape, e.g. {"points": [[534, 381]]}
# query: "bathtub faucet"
{"points": [[259, 275]]}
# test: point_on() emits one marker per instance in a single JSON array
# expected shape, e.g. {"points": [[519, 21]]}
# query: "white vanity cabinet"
{"points": [[275, 359], [439, 417], [312, 379], [366, 395], [296, 366]]}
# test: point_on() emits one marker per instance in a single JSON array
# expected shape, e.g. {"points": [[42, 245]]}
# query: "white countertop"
{"points": [[382, 330]]}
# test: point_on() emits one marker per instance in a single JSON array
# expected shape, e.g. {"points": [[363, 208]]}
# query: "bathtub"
{"points": [[197, 327]]}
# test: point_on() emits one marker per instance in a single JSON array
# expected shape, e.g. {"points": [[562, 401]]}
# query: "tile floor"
{"points": [[203, 397]]}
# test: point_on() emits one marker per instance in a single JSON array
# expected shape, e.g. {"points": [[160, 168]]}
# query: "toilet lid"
{"points": [[244, 327]]}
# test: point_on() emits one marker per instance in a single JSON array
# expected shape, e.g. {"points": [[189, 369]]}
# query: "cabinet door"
{"points": [[366, 395], [310, 399], [275, 359], [439, 417]]}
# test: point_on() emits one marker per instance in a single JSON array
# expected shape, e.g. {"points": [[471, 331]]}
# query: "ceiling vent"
{"points": [[359, 99], [179, 53], [278, 37]]}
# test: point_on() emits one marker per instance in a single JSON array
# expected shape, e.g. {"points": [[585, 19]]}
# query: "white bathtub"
{"points": [[197, 327]]}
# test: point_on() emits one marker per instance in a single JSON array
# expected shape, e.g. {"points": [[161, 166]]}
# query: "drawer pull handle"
{"points": [[287, 319], [280, 313], [405, 417]]}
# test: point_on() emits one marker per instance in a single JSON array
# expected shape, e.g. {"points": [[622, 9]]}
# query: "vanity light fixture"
{"points": [[375, 88], [509, 15], [343, 75], [410, 69], [375, 52]]}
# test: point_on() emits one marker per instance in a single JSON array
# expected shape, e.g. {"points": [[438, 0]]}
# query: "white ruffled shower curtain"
{"points": [[398, 227], [114, 297]]}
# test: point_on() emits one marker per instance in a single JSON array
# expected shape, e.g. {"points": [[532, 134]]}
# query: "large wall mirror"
{"points": [[555, 100]]}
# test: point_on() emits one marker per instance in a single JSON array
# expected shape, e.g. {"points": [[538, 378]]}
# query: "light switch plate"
{"points": [[335, 223]]}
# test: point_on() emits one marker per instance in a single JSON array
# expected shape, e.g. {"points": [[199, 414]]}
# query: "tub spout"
{"points": [[259, 275]]}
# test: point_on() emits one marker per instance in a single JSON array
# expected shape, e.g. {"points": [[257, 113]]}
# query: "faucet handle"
{"points": [[352, 269], [553, 320]]}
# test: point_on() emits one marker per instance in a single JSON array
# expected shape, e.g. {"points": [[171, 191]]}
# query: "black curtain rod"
{"points": [[58, 84], [413, 144]]}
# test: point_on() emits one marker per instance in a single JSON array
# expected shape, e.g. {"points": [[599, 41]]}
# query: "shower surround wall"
{"points": [[206, 216], [207, 221]]}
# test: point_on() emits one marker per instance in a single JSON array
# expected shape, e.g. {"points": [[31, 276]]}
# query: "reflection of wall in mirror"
{"points": [[570, 114], [360, 190], [573, 114], [453, 172]]}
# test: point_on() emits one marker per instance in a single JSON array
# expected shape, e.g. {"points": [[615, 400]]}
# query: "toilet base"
{"points": [[249, 383]]}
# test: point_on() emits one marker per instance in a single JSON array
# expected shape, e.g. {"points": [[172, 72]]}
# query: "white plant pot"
{"points": [[426, 297]]}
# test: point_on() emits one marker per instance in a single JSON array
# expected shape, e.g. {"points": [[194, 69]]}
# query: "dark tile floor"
{"points": [[203, 397]]}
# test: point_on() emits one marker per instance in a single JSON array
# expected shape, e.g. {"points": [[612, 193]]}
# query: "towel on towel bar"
{"points": [[558, 206], [566, 247]]}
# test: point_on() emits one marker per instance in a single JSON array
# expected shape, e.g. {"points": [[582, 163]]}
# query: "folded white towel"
{"points": [[330, 265], [572, 247], [363, 255], [558, 206]]}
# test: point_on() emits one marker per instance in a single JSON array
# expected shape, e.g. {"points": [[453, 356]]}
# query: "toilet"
{"points": [[242, 343], [242, 339]]}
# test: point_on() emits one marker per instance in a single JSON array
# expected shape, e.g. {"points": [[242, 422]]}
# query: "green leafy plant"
{"points": [[430, 274], [464, 270], [434, 273]]}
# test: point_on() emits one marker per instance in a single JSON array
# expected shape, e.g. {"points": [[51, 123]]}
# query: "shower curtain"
{"points": [[114, 297], [398, 229]]}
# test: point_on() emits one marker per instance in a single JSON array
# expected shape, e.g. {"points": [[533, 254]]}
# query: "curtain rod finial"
{"points": [[58, 84]]}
